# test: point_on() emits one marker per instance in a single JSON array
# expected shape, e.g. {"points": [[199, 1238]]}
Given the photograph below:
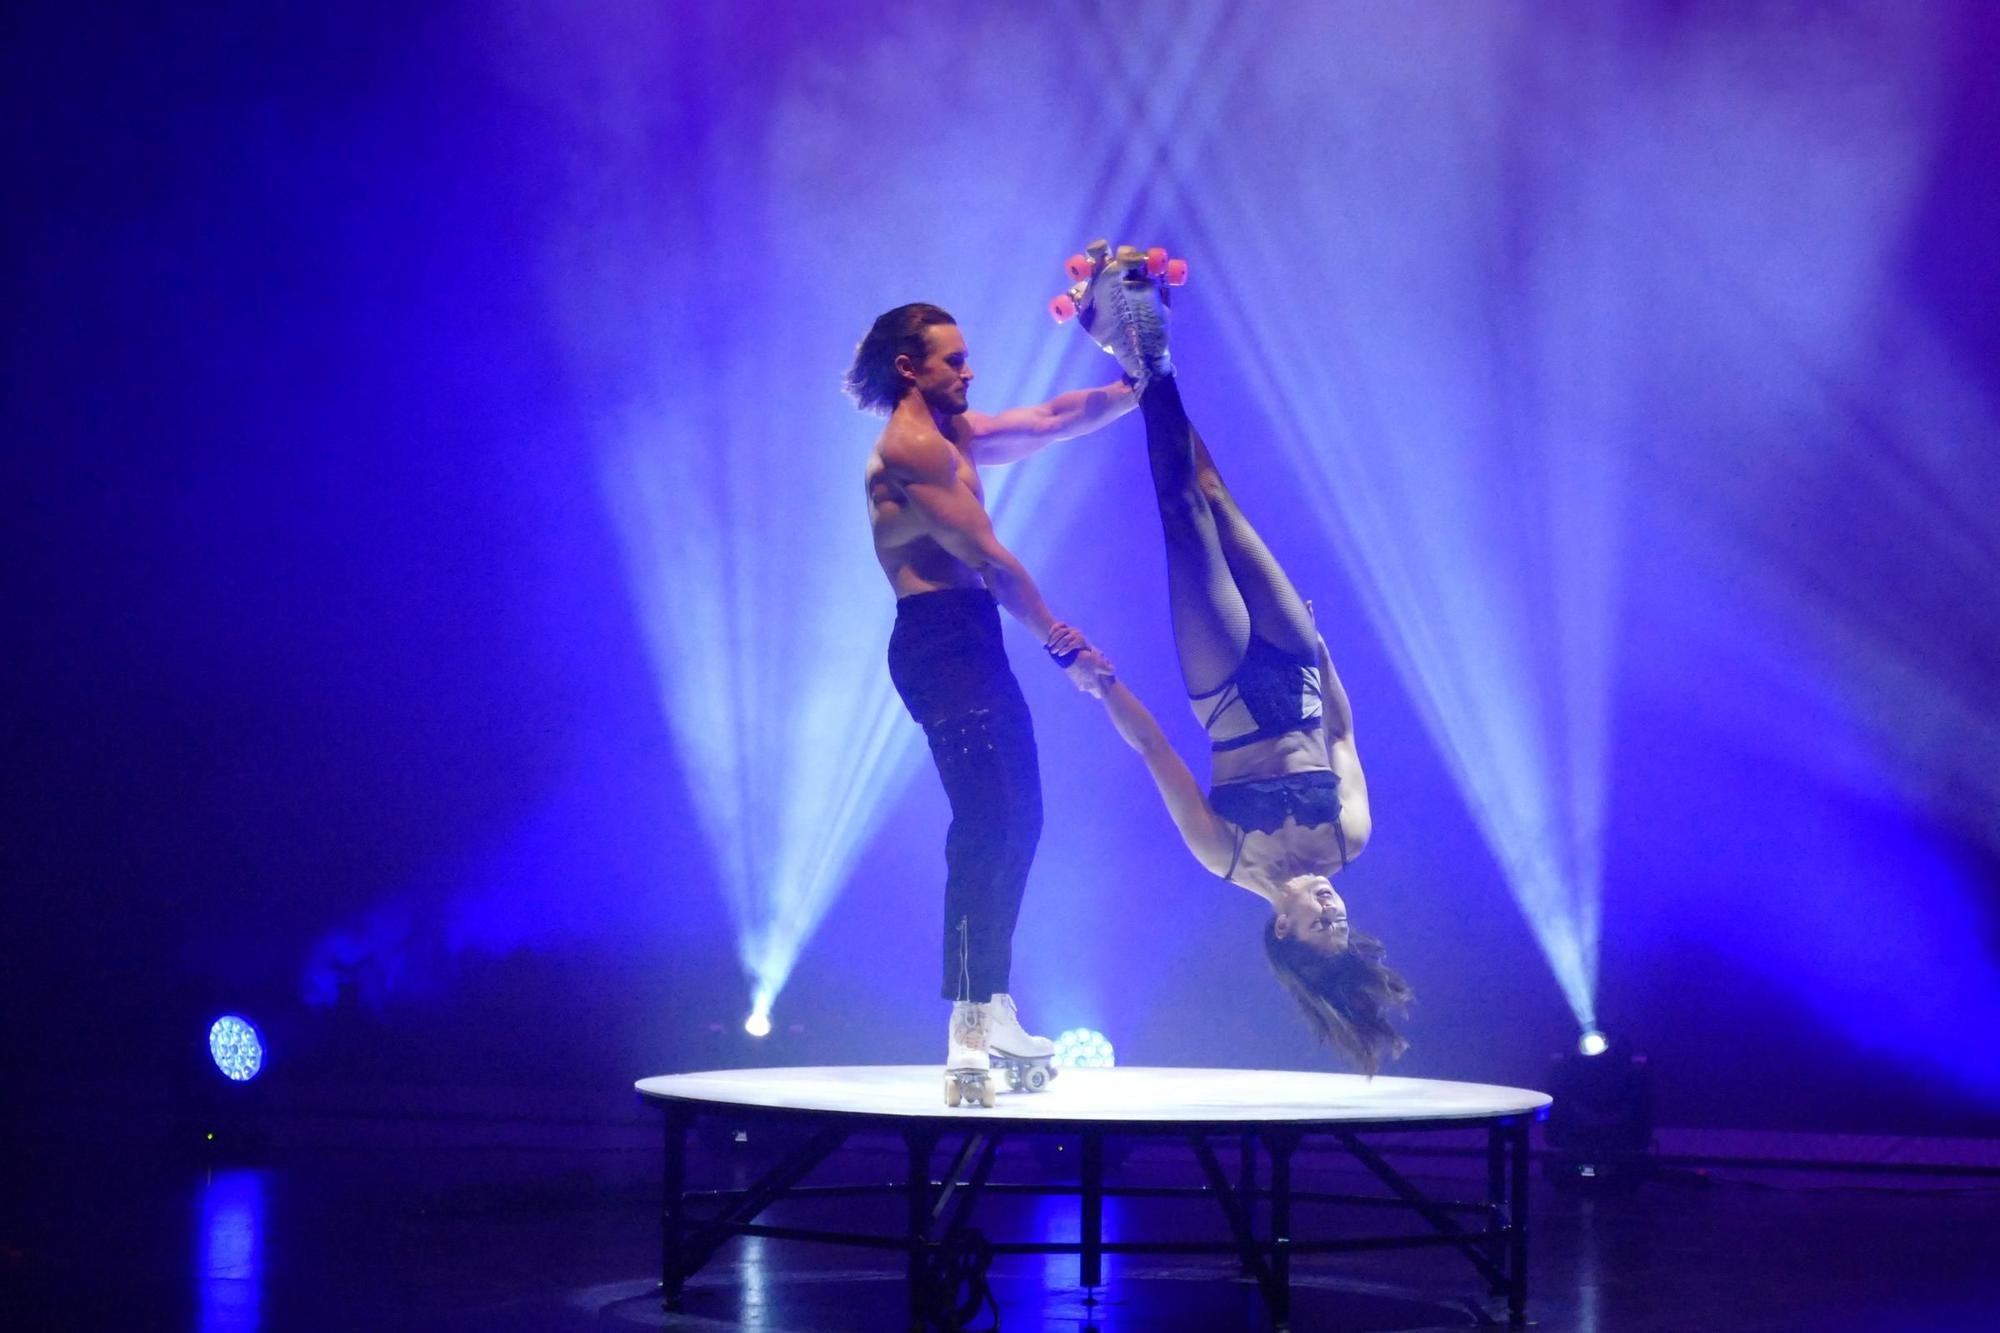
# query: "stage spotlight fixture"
{"points": [[1600, 1126], [1592, 1042], [236, 1047], [1084, 1048]]}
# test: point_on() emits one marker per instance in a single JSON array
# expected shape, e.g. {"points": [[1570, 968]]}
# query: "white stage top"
{"points": [[1121, 1095]]}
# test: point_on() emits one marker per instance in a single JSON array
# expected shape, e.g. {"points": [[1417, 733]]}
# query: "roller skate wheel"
{"points": [[1176, 271], [986, 1095], [1062, 309], [1036, 1079], [953, 1093], [1156, 261], [1078, 267]]}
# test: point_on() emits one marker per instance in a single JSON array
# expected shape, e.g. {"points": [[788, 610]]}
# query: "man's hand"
{"points": [[1084, 665]]}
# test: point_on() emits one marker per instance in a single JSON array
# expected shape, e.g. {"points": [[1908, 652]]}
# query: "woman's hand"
{"points": [[1099, 666]]}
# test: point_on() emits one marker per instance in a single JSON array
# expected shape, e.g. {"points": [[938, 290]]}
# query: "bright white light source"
{"points": [[236, 1047], [1082, 1048], [758, 1024], [1593, 1042]]}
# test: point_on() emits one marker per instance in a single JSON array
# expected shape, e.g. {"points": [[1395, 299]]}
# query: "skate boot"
{"points": [[968, 1068], [1024, 1057], [1121, 304]]}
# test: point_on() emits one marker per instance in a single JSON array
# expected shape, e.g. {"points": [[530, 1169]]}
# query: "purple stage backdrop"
{"points": [[444, 622]]}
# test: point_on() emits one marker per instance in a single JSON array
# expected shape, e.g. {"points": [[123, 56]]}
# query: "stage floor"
{"points": [[539, 1232], [1134, 1097], [531, 1237]]}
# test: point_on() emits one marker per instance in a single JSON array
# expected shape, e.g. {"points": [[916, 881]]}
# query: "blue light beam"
{"points": [[1468, 479], [730, 465]]}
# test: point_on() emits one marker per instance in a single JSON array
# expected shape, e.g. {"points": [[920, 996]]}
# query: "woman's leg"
{"points": [[1278, 614], [1211, 621]]}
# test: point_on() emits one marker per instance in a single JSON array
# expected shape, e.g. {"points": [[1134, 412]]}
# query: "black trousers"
{"points": [[949, 666]]}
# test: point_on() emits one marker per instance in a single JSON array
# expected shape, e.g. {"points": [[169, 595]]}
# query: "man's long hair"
{"points": [[1347, 997], [872, 381]]}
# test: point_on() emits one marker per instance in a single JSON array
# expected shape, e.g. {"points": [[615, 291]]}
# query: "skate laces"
{"points": [[964, 960], [1143, 330], [969, 1024]]}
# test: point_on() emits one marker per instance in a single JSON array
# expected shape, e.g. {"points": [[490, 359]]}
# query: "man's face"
{"points": [[944, 374]]}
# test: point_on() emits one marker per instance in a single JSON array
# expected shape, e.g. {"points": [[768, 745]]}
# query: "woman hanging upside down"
{"points": [[1287, 807]]}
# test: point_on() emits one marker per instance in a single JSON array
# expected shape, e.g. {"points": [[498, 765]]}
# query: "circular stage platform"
{"points": [[1132, 1100], [1258, 1109]]}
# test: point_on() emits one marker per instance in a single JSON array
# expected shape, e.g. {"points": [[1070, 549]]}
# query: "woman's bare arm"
{"points": [[1207, 835], [1337, 726]]}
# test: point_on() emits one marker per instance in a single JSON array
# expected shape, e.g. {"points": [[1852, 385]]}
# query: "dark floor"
{"points": [[509, 1239]]}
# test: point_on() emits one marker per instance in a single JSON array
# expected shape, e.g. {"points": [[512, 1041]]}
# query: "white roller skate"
{"points": [[1120, 299], [1024, 1057], [968, 1067]]}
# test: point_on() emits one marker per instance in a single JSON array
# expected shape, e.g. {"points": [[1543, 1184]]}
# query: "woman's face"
{"points": [[1309, 910]]}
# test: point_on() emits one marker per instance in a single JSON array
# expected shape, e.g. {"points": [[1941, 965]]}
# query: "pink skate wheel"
{"points": [[1062, 309], [1078, 268], [1156, 261], [1177, 273]]}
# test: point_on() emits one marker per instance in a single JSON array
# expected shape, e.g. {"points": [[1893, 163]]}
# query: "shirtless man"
{"points": [[948, 570]]}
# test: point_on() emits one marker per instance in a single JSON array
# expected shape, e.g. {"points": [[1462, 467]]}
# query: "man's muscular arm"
{"points": [[955, 519], [1006, 436]]}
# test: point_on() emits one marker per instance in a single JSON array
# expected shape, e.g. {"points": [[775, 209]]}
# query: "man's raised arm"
{"points": [[1003, 437]]}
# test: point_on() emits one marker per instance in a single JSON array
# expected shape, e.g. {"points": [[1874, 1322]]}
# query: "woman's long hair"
{"points": [[1347, 997]]}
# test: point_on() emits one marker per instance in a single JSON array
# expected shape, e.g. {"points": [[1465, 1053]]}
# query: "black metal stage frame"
{"points": [[948, 1257]]}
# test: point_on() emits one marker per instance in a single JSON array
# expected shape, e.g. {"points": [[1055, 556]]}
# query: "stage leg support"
{"points": [[920, 1143], [673, 1213], [1091, 1261], [1497, 1208], [1246, 1191], [1517, 1217], [1280, 1147], [1238, 1204]]}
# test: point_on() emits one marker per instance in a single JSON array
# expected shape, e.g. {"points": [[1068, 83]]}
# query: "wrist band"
{"points": [[1061, 659]]}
